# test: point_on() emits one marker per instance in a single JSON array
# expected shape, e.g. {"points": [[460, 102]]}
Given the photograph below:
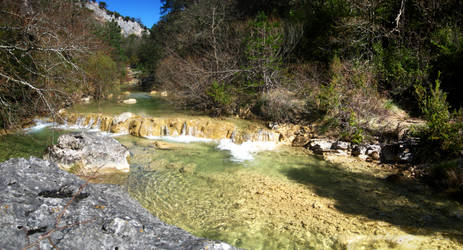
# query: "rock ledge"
{"points": [[102, 216]]}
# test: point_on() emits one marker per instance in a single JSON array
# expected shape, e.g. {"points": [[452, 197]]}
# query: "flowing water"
{"points": [[260, 196]]}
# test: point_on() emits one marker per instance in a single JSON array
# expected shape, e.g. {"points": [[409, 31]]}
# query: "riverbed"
{"points": [[283, 198]]}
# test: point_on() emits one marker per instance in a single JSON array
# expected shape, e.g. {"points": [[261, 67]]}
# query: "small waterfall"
{"points": [[90, 123], [97, 123], [191, 131], [233, 136], [184, 129], [80, 122]]}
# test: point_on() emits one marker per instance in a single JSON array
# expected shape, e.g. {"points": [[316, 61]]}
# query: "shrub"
{"points": [[350, 99], [220, 94], [442, 135]]}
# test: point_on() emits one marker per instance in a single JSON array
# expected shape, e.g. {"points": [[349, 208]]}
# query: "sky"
{"points": [[147, 10]]}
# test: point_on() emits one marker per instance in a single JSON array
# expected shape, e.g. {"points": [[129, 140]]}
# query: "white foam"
{"points": [[39, 125], [180, 138], [244, 152]]}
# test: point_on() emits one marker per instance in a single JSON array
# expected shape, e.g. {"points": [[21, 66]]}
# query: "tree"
{"points": [[102, 5]]}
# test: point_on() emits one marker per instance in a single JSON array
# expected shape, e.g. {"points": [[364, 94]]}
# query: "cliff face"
{"points": [[127, 27]]}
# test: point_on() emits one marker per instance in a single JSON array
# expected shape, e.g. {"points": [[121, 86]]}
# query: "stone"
{"points": [[154, 92], [342, 145], [129, 101], [320, 146], [121, 123], [164, 93], [93, 152], [163, 145], [300, 141], [374, 156], [86, 99], [358, 150], [101, 216]]}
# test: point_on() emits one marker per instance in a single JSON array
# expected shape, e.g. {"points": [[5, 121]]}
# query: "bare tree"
{"points": [[41, 46]]}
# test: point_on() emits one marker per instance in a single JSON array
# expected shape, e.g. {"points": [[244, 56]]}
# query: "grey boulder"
{"points": [[35, 193], [93, 151]]}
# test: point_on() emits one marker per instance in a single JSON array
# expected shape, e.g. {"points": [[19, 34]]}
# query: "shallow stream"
{"points": [[283, 198]]}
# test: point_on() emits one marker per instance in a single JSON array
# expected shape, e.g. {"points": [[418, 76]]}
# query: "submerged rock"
{"points": [[129, 101], [90, 152], [100, 216]]}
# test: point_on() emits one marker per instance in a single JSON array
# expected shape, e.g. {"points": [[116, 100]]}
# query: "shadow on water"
{"points": [[414, 211]]}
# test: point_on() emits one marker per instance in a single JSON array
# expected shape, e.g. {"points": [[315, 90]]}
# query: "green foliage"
{"points": [[353, 132], [102, 5], [330, 94], [102, 72], [441, 137], [398, 68], [220, 94], [263, 47]]}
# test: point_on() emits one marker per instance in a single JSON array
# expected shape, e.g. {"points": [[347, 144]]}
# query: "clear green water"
{"points": [[27, 144], [284, 199], [146, 105]]}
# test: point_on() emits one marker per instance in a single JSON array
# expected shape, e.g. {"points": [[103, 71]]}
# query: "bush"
{"points": [[221, 97], [350, 99], [442, 136]]}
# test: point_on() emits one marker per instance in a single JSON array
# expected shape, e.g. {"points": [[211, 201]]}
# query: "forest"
{"points": [[335, 63]]}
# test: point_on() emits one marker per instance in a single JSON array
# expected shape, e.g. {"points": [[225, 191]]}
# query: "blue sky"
{"points": [[147, 10]]}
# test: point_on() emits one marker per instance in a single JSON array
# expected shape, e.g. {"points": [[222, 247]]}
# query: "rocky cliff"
{"points": [[44, 207], [127, 27]]}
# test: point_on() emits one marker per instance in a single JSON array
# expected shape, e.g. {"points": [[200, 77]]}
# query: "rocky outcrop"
{"points": [[127, 27], [34, 213], [89, 152]]}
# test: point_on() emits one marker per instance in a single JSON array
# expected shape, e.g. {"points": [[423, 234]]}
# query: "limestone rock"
{"points": [[130, 101], [154, 92], [93, 151], [121, 122], [320, 146], [341, 145], [164, 93], [102, 216]]}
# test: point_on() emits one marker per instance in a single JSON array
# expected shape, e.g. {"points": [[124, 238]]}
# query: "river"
{"points": [[277, 197]]}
